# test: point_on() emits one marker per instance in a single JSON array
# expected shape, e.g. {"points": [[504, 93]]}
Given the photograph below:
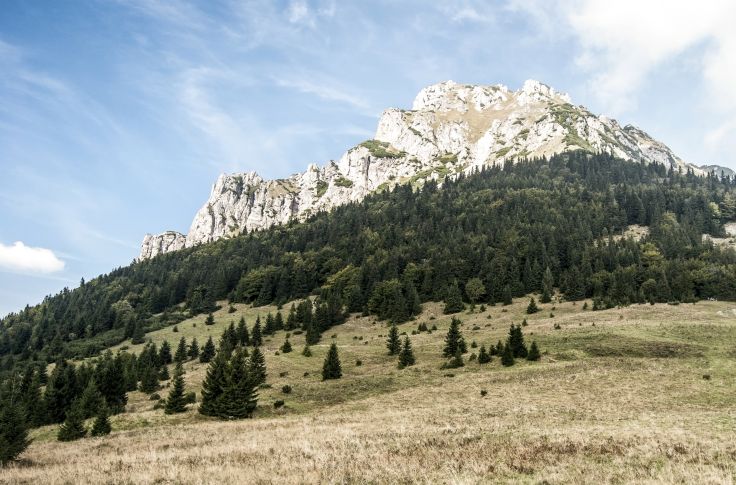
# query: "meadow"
{"points": [[644, 394]]}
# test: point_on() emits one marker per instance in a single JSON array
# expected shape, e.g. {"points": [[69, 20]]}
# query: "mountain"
{"points": [[451, 129]]}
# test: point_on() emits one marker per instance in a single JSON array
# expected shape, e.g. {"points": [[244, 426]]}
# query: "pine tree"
{"points": [[279, 321], [73, 426], [101, 425], [256, 338], [228, 340], [210, 320], [149, 380], [457, 360], [270, 327], [393, 343], [454, 340], [239, 397], [453, 299], [181, 351], [533, 352], [286, 348], [507, 356], [163, 374], [242, 333], [164, 353], [13, 431], [213, 385], [313, 334], [193, 349], [406, 356], [176, 403], [483, 356], [532, 307], [331, 369], [257, 367], [139, 336], [91, 400], [307, 352], [516, 341], [208, 351]]}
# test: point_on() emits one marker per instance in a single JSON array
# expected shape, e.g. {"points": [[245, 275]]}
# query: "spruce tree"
{"points": [[516, 341], [73, 426], [163, 374], [533, 352], [286, 348], [307, 352], [532, 307], [239, 397], [181, 351], [454, 340], [149, 380], [507, 356], [210, 320], [213, 385], [193, 349], [176, 403], [208, 351], [313, 334], [242, 333], [139, 336], [13, 431], [270, 327], [483, 356], [279, 321], [406, 355], [457, 360], [453, 299], [101, 425], [393, 343], [256, 338], [331, 369], [164, 353], [257, 367], [91, 400]]}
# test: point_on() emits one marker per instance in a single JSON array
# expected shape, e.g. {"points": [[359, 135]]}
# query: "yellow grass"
{"points": [[598, 408]]}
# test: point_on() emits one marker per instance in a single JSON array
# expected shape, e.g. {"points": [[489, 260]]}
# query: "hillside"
{"points": [[637, 394], [451, 129]]}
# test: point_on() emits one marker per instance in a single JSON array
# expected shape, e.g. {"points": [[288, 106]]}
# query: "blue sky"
{"points": [[117, 116]]}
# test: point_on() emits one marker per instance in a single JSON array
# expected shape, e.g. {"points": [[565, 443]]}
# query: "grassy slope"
{"points": [[598, 407]]}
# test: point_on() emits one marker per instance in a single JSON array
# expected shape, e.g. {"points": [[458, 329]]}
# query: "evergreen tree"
{"points": [[164, 353], [13, 431], [101, 425], [507, 299], [176, 403], [256, 338], [73, 426], [483, 356], [91, 400], [454, 340], [270, 327], [307, 352], [516, 341], [313, 334], [62, 389], [331, 369], [507, 356], [193, 349], [208, 351], [278, 321], [213, 385], [406, 356], [286, 348], [548, 282], [457, 360], [475, 289], [242, 333], [210, 320], [114, 377], [393, 343], [181, 351], [239, 397], [229, 339], [257, 367], [163, 374], [291, 322], [532, 307], [139, 335], [149, 380], [533, 352], [453, 299]]}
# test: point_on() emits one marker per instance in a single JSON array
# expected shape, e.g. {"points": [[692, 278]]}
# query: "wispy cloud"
{"points": [[326, 92], [27, 259]]}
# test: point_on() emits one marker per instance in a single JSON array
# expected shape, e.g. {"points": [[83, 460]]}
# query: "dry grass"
{"points": [[598, 408]]}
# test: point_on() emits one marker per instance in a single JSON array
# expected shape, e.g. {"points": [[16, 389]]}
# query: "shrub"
{"points": [[278, 404], [286, 389]]}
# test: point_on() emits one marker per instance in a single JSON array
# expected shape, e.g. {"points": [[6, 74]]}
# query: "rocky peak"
{"points": [[451, 129]]}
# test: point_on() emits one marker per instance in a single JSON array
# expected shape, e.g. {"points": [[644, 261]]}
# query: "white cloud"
{"points": [[325, 92], [299, 13], [27, 259]]}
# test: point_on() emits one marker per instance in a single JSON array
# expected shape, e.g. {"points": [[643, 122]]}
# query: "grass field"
{"points": [[643, 394]]}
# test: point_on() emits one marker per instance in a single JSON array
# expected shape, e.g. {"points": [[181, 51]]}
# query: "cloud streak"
{"points": [[26, 259]]}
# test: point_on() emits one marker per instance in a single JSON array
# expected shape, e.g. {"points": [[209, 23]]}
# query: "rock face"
{"points": [[451, 129]]}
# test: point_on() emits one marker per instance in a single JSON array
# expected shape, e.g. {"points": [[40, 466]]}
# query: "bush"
{"points": [[154, 397], [358, 363], [190, 397], [278, 404], [483, 392], [286, 389]]}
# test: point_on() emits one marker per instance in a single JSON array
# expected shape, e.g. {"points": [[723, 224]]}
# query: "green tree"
{"points": [[532, 307], [208, 351], [181, 351], [331, 369], [507, 356], [456, 361], [242, 333], [193, 351], [149, 379], [533, 352], [454, 340], [406, 356], [483, 356], [307, 352], [515, 341], [91, 400], [13, 431], [257, 367], [239, 397], [286, 347], [164, 353], [101, 425], [475, 289], [73, 426], [392, 342], [256, 338], [213, 385], [210, 320], [453, 299], [175, 402], [548, 282]]}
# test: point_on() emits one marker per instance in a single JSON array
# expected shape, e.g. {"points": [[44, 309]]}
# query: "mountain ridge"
{"points": [[451, 129]]}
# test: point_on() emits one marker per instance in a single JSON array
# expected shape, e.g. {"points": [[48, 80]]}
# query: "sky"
{"points": [[116, 116]]}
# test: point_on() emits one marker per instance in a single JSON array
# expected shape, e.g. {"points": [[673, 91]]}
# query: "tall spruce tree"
{"points": [[213, 385], [406, 355], [181, 351], [257, 367], [453, 299], [101, 425], [175, 402], [242, 333], [515, 340], [533, 352], [208, 351], [91, 400], [164, 353], [507, 356], [239, 397], [193, 351], [73, 426], [13, 430], [454, 340], [256, 338], [331, 369], [149, 379], [392, 342], [532, 307]]}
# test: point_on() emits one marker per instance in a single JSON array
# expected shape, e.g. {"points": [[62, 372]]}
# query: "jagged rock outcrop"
{"points": [[451, 129]]}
